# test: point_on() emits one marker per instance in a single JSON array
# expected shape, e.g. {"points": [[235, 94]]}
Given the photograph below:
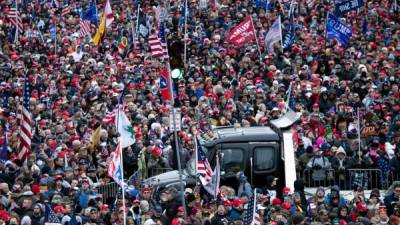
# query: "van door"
{"points": [[265, 156], [234, 158]]}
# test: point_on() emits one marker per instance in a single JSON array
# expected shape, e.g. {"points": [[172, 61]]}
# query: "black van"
{"points": [[257, 151]]}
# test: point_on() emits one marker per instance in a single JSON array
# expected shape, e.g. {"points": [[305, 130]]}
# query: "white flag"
{"points": [[125, 130], [274, 35], [213, 186]]}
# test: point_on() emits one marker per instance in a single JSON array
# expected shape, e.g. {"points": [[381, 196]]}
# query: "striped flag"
{"points": [[50, 218], [84, 27], [251, 217], [15, 18], [203, 167], [65, 11], [114, 167], [158, 44], [25, 135]]}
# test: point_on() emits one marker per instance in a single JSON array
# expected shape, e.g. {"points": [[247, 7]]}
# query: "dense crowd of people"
{"points": [[76, 85]]}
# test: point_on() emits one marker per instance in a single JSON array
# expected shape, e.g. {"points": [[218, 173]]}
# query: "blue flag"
{"points": [[336, 29], [265, 4], [289, 37], [344, 6], [365, 26], [53, 34], [185, 12], [90, 14], [4, 150]]}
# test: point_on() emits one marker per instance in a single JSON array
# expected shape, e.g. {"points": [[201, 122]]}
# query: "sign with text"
{"points": [[344, 6]]}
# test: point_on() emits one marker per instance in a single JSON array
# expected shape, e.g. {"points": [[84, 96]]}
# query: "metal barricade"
{"points": [[108, 190], [348, 179]]}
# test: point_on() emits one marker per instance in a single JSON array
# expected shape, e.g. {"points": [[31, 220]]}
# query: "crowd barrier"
{"points": [[348, 179]]}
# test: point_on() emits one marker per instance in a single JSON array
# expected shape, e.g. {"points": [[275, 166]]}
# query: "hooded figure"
{"points": [[244, 185], [299, 188], [333, 199]]}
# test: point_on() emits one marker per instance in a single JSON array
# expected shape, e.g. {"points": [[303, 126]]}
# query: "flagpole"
{"points": [[137, 19], [280, 31], [122, 163], [255, 34], [359, 130], [17, 22], [175, 133], [184, 37]]}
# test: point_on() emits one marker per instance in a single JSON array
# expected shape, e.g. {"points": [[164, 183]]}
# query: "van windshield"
{"points": [[232, 160]]}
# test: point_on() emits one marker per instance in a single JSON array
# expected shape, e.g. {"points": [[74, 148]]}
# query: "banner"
{"points": [[344, 6], [335, 29], [242, 33], [274, 35]]}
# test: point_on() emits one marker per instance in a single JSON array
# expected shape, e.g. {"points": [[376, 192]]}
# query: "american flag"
{"points": [[25, 134], [251, 217], [203, 166], [50, 218], [65, 10], [84, 27], [158, 44], [15, 18]]}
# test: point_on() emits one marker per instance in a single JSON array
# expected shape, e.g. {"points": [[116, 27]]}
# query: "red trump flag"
{"points": [[242, 33]]}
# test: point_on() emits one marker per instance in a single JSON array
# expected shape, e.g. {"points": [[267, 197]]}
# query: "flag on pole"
{"points": [[213, 187], [242, 33], [264, 4], [90, 14], [124, 127], [336, 29], [84, 26], [164, 85], [106, 20], [53, 32], [15, 18], [184, 13], [203, 167], [65, 11], [4, 149], [158, 44], [274, 35], [50, 218], [114, 167], [289, 37], [25, 134], [251, 217]]}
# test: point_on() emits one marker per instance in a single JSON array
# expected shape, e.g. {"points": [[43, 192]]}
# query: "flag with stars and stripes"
{"points": [[65, 10], [203, 167], [15, 18], [158, 44], [50, 218], [251, 217], [25, 134]]}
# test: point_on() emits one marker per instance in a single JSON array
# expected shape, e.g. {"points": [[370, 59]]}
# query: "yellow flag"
{"points": [[95, 139], [100, 32]]}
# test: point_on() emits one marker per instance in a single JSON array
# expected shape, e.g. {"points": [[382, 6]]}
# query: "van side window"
{"points": [[264, 158], [232, 160]]}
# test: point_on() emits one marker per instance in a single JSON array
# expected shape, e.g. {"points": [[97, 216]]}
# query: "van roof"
{"points": [[245, 134]]}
